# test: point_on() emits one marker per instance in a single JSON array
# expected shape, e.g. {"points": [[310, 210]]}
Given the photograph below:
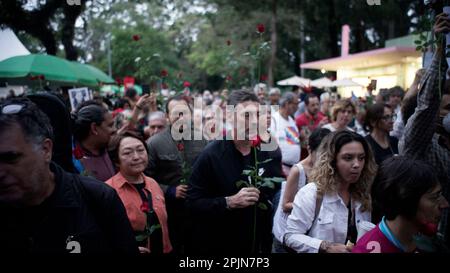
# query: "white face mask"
{"points": [[446, 123]]}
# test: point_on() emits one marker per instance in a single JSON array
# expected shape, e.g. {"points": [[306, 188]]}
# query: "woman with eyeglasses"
{"points": [[379, 122], [141, 195]]}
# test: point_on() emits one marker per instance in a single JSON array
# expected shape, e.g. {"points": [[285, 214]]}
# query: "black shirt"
{"points": [[81, 214], [215, 228], [156, 240], [379, 152]]}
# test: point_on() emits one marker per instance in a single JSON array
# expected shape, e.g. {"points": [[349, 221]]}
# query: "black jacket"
{"points": [[215, 229], [81, 215]]}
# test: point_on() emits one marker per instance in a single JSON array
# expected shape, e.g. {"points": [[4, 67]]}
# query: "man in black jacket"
{"points": [[229, 219], [45, 209]]}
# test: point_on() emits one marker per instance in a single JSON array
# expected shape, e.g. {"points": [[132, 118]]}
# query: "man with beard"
{"points": [[228, 218], [171, 155]]}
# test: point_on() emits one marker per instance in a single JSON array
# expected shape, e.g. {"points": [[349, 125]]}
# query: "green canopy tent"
{"points": [[99, 75], [35, 68], [24, 69], [84, 75]]}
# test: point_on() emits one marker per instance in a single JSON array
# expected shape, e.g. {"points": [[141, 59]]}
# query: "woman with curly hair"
{"points": [[326, 211]]}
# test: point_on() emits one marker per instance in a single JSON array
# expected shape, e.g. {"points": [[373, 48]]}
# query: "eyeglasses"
{"points": [[389, 117], [12, 109]]}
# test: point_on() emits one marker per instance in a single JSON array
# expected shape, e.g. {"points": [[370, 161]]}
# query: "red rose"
{"points": [[164, 73], [136, 37], [33, 78], [180, 147], [260, 28], [78, 152], [228, 78], [118, 81], [256, 142], [164, 86], [42, 77], [186, 84], [228, 42], [307, 89], [145, 208], [263, 78]]}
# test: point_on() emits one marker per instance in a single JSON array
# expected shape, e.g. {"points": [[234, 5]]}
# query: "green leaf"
{"points": [[419, 48], [265, 161], [141, 237], [262, 206], [268, 184], [241, 182], [154, 227], [247, 172], [277, 179], [418, 42]]}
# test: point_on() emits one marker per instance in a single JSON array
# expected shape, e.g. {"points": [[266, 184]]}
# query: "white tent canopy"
{"points": [[345, 83], [322, 82], [10, 45], [295, 81]]}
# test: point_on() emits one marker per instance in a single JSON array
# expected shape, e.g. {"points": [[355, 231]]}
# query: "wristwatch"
{"points": [[227, 202]]}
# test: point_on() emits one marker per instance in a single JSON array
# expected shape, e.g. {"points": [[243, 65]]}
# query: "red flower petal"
{"points": [[164, 86], [180, 147], [256, 142], [164, 73], [260, 28], [136, 37], [186, 84], [78, 152], [263, 78], [145, 208]]}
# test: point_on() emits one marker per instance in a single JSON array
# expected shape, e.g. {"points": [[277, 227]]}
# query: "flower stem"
{"points": [[255, 206], [254, 230]]}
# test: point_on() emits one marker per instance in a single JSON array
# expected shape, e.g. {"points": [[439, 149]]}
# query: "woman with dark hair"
{"points": [[408, 194], [93, 127], [143, 198], [327, 210], [298, 177], [379, 122]]}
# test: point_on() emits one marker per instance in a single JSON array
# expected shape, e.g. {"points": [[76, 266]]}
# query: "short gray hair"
{"points": [[260, 86], [324, 96], [156, 115], [287, 98], [274, 91]]}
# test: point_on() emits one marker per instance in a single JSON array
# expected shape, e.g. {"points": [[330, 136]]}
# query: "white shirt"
{"points": [[399, 127], [280, 217], [288, 136], [330, 225], [332, 129]]}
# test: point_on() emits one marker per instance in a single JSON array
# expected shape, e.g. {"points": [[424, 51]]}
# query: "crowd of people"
{"points": [[324, 175]]}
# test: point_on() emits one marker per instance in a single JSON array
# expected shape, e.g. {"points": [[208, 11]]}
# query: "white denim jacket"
{"points": [[330, 225]]}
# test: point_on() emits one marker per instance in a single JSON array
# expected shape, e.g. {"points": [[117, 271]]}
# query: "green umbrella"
{"points": [[84, 74], [51, 67], [99, 75]]}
